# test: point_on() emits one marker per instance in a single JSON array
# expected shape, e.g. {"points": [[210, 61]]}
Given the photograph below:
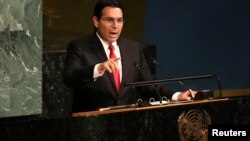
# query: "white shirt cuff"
{"points": [[96, 73], [175, 96]]}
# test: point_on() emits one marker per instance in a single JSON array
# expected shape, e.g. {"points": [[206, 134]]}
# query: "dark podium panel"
{"points": [[172, 122]]}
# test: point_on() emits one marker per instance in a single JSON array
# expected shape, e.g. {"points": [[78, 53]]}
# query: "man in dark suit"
{"points": [[97, 66]]}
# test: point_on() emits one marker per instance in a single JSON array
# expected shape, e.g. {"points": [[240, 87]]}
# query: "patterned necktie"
{"points": [[116, 74]]}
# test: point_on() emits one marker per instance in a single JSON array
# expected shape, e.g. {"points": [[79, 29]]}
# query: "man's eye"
{"points": [[120, 20], [110, 20]]}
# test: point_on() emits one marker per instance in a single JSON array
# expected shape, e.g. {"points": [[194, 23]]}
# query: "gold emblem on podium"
{"points": [[193, 125]]}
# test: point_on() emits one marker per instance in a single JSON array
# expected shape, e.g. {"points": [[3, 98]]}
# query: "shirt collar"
{"points": [[106, 44]]}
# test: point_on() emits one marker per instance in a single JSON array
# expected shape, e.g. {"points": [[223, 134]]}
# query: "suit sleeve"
{"points": [[76, 69]]}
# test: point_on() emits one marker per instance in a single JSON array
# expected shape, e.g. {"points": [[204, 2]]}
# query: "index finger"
{"points": [[116, 59]]}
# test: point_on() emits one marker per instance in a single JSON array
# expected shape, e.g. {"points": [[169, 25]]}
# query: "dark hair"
{"points": [[106, 3]]}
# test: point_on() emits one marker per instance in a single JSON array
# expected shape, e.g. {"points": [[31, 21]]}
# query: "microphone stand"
{"points": [[219, 84], [154, 88], [164, 70], [153, 82], [180, 82]]}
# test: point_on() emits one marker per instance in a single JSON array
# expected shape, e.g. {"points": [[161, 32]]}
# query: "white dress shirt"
{"points": [[105, 45]]}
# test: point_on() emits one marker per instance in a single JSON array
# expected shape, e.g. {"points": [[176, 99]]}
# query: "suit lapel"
{"points": [[98, 49], [125, 63]]}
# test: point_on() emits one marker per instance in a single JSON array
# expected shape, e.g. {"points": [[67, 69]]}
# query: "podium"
{"points": [[172, 121]]}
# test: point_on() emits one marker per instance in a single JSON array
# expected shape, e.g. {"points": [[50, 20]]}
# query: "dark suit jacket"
{"points": [[83, 54]]}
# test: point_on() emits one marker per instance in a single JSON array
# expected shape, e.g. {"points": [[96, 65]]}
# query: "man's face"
{"points": [[109, 27]]}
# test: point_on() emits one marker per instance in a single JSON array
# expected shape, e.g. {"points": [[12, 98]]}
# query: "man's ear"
{"points": [[95, 21]]}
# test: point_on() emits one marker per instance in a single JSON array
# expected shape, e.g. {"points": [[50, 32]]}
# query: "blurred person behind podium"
{"points": [[97, 77]]}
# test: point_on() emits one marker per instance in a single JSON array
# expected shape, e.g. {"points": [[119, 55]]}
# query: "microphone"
{"points": [[144, 75], [202, 94], [219, 85], [164, 70]]}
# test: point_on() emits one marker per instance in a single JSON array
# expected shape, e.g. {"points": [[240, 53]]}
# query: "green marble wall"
{"points": [[21, 55]]}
